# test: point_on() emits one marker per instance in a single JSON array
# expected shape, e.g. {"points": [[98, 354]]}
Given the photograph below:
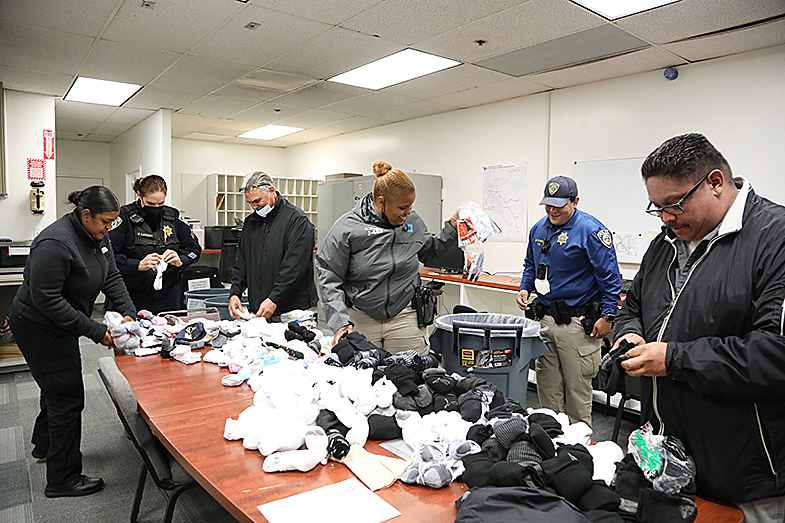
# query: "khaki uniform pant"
{"points": [[564, 374], [397, 334]]}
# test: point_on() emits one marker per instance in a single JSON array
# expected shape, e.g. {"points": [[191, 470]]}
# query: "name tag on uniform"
{"points": [[145, 234], [104, 250]]}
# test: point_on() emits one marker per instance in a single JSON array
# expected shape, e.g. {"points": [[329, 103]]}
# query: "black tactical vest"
{"points": [[147, 240]]}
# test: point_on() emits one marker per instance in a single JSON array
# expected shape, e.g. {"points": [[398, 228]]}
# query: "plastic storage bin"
{"points": [[222, 304], [495, 347], [195, 299]]}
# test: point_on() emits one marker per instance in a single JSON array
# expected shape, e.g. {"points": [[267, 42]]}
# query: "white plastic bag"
{"points": [[474, 227]]}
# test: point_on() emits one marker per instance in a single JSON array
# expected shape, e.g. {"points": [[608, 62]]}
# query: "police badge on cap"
{"points": [[559, 190]]}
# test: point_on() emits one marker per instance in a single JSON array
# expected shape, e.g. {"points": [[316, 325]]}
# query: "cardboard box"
{"points": [[341, 176]]}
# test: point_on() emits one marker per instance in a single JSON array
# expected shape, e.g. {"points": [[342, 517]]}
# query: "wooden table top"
{"points": [[186, 407], [509, 283]]}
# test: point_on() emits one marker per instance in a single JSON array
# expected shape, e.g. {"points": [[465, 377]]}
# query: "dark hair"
{"points": [[96, 199], [686, 157], [149, 184]]}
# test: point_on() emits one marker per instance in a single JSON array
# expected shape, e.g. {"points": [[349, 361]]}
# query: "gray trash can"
{"points": [[222, 304], [495, 347], [195, 299]]}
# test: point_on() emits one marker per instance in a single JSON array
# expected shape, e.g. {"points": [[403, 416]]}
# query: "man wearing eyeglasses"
{"points": [[275, 254], [571, 265], [706, 313]]}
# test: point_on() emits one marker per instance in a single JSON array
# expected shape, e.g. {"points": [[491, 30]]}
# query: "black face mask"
{"points": [[152, 214]]}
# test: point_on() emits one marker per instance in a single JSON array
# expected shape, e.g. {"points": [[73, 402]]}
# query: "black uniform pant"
{"points": [[156, 302], [58, 427]]}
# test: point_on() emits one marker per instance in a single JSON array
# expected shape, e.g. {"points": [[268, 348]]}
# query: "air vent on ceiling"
{"points": [[275, 80]]}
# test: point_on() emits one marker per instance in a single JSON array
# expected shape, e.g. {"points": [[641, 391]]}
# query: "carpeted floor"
{"points": [[108, 454]]}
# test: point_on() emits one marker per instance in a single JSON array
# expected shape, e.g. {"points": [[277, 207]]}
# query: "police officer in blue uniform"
{"points": [[571, 266], [145, 233]]}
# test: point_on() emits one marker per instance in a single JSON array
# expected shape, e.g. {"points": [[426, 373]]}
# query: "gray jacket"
{"points": [[366, 262]]}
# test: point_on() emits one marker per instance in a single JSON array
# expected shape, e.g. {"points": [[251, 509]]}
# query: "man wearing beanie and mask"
{"points": [[275, 254], [571, 266]]}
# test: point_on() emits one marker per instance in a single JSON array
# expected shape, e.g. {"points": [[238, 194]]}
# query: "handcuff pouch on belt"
{"points": [[424, 302]]}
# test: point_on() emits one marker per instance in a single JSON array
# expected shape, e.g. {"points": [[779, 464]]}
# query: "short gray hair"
{"points": [[256, 179]]}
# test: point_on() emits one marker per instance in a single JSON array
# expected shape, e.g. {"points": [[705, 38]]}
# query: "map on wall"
{"points": [[504, 198]]}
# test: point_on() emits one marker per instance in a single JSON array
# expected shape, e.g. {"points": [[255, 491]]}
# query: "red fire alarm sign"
{"points": [[36, 169], [49, 144]]}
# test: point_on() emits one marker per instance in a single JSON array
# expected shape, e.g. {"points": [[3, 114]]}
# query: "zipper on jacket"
{"points": [[668, 317], [765, 448], [392, 257]]}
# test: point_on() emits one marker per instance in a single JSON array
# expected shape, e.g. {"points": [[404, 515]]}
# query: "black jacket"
{"points": [[133, 239], [724, 393], [64, 273], [275, 259]]}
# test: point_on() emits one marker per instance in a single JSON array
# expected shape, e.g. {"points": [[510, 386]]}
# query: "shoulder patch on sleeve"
{"points": [[180, 217], [116, 223], [605, 237]]}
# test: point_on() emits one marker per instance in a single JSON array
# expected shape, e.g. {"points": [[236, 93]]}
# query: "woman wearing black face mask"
{"points": [[147, 233]]}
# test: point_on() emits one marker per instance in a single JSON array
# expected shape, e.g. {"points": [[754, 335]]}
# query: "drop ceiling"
{"points": [[200, 59]]}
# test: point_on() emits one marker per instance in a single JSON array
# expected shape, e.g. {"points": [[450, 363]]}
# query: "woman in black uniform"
{"points": [[70, 262], [146, 233]]}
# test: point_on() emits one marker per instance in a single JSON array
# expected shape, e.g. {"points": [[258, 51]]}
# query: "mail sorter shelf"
{"points": [[226, 201]]}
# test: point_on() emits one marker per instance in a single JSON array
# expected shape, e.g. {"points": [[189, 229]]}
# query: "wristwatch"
{"points": [[610, 318]]}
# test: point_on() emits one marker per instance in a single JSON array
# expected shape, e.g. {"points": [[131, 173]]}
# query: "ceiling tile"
{"points": [[333, 52], [128, 63], [486, 94], [191, 123], [598, 42], [248, 92], [217, 106], [649, 59], [210, 137], [62, 135], [249, 141], [84, 17], [313, 118], [692, 17], [173, 25], [153, 98], [417, 109], [757, 37], [69, 125], [369, 103], [83, 111], [321, 94], [309, 135], [100, 138], [521, 26], [268, 112], [229, 126], [448, 81], [41, 49], [114, 129], [276, 34], [355, 123], [333, 12], [127, 115], [408, 21], [35, 81], [200, 75]]}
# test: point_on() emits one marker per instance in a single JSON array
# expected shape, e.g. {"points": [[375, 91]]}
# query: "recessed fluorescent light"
{"points": [[394, 69], [102, 92], [270, 132], [613, 9]]}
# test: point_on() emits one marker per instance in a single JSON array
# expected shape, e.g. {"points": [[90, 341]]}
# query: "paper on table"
{"points": [[398, 447], [331, 504], [376, 472]]}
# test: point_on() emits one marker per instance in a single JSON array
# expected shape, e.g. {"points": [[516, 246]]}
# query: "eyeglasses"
{"points": [[675, 208]]}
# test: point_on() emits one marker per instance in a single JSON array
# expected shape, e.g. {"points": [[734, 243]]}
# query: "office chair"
{"points": [[631, 390], [169, 476], [463, 309]]}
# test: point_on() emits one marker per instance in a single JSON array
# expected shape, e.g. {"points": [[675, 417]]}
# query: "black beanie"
{"points": [[541, 441], [479, 433], [404, 379], [470, 406], [547, 422], [383, 427], [477, 469], [494, 449], [581, 453], [655, 507], [446, 402], [441, 384], [328, 420], [506, 474], [567, 477], [508, 431]]}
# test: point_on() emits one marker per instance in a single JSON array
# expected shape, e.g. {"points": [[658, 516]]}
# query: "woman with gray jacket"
{"points": [[368, 264]]}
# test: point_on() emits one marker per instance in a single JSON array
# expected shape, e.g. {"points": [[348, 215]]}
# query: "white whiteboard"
{"points": [[613, 192]]}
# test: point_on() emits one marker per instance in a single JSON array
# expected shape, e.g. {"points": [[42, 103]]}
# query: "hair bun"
{"points": [[380, 168], [74, 197]]}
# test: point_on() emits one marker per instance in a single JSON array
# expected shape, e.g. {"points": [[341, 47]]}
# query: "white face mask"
{"points": [[264, 211]]}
